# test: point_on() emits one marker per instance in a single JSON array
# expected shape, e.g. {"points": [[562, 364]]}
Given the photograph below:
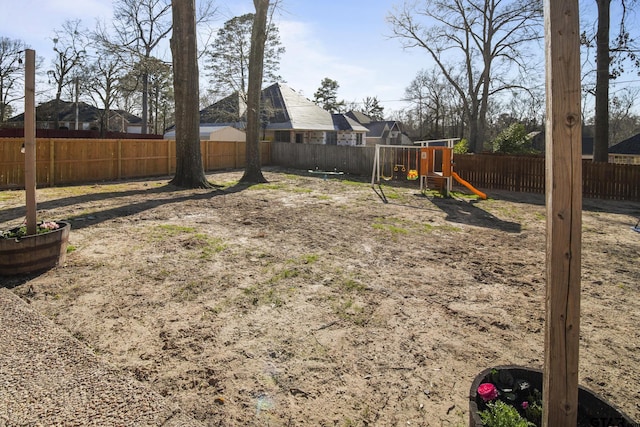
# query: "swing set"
{"points": [[429, 161]]}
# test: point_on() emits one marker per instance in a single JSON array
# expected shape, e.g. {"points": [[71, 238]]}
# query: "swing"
{"points": [[400, 166], [412, 175], [386, 178]]}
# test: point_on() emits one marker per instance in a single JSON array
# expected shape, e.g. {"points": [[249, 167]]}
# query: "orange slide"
{"points": [[469, 186]]}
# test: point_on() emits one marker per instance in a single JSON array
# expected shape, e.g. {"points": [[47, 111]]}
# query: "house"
{"points": [[626, 152], [212, 132], [538, 142], [383, 132], [288, 116], [80, 116]]}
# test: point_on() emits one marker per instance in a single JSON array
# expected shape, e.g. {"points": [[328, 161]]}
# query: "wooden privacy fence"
{"points": [[348, 159], [71, 161], [527, 174]]}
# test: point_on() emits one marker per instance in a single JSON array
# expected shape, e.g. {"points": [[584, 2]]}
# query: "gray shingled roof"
{"points": [[284, 108], [342, 122], [628, 146], [302, 113]]}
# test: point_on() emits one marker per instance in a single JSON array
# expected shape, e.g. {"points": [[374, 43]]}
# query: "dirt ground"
{"points": [[308, 301]]}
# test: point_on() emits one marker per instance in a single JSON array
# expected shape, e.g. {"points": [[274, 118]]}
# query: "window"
{"points": [[282, 136], [332, 138], [358, 139]]}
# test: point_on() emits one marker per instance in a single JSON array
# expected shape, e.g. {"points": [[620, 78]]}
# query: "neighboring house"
{"points": [[538, 142], [288, 116], [626, 152], [88, 118], [383, 132], [209, 132]]}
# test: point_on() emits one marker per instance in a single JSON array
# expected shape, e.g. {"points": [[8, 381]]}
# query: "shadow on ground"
{"points": [[466, 212], [173, 197]]}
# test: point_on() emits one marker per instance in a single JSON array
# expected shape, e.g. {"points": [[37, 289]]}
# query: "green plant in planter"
{"points": [[41, 228], [533, 408], [501, 414]]}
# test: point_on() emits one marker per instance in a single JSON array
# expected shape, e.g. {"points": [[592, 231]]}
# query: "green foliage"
{"points": [[461, 147], [501, 414], [533, 412], [327, 96], [228, 56], [372, 108], [513, 140]]}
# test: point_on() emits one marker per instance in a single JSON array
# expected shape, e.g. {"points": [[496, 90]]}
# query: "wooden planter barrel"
{"points": [[592, 409], [34, 253]]}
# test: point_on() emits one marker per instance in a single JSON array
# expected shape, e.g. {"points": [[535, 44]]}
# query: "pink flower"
{"points": [[487, 391], [525, 404]]}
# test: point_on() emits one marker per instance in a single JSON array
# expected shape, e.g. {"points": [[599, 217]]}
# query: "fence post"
{"points": [[119, 159], [52, 162], [168, 157], [236, 155]]}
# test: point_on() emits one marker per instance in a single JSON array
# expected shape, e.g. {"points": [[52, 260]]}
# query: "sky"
{"points": [[345, 40]]}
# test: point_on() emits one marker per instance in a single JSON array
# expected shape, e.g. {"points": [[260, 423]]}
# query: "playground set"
{"points": [[430, 162]]}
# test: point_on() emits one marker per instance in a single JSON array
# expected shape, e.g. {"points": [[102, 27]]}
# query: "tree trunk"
{"points": [[145, 103], [189, 171], [601, 137], [253, 171]]}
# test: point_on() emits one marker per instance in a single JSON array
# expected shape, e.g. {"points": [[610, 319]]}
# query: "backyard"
{"points": [[309, 301]]}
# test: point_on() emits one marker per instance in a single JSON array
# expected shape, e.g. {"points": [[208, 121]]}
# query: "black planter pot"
{"points": [[593, 411]]}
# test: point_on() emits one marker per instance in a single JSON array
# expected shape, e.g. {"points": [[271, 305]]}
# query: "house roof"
{"points": [[227, 110], [285, 106], [628, 146], [359, 117], [377, 129], [206, 129], [283, 109], [45, 112], [342, 122]]}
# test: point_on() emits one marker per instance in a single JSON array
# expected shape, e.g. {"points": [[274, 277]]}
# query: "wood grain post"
{"points": [[169, 142], [52, 162], [119, 158], [30, 138], [564, 213]]}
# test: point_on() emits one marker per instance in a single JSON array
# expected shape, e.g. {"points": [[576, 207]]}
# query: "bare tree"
{"points": [[189, 169], [623, 123], [607, 54], [69, 44], [11, 74], [139, 26], [253, 171], [102, 74], [490, 38]]}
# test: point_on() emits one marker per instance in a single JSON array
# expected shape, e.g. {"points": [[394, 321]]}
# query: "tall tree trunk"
{"points": [[601, 138], [189, 170], [253, 171], [145, 103]]}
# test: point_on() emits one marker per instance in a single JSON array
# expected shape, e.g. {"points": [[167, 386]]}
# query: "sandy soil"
{"points": [[311, 302]]}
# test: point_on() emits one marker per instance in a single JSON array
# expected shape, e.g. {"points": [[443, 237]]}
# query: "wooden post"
{"points": [[119, 159], [564, 213], [30, 138], [52, 162], [169, 156]]}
